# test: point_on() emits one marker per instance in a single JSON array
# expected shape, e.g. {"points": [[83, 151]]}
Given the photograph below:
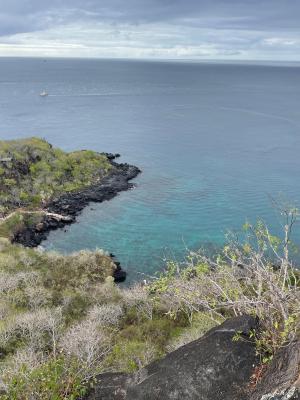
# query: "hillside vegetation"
{"points": [[32, 172], [64, 320]]}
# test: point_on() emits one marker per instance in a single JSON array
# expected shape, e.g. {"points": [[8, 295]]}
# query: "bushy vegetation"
{"points": [[32, 172], [254, 277], [18, 221], [63, 320]]}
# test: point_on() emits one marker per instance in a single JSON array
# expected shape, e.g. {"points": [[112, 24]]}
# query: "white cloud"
{"points": [[243, 29], [277, 41], [150, 40]]}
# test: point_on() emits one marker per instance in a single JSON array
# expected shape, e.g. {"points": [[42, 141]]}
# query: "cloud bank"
{"points": [[163, 29]]}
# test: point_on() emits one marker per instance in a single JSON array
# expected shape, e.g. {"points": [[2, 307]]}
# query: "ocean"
{"points": [[216, 142]]}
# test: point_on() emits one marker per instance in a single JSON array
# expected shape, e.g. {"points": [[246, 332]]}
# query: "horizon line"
{"points": [[156, 59]]}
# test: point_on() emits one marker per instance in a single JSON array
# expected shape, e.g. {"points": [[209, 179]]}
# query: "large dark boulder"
{"points": [[282, 378], [214, 367]]}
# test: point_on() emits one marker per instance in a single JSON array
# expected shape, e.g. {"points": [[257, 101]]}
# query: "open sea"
{"points": [[214, 141]]}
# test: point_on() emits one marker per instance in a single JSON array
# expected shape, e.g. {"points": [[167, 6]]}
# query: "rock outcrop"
{"points": [[214, 367], [69, 205], [282, 378]]}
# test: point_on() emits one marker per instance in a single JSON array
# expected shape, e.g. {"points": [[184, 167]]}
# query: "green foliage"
{"points": [[45, 296], [161, 284], [156, 331], [18, 221], [63, 320], [252, 277], [269, 340], [131, 355], [55, 380], [36, 172], [201, 323], [78, 304]]}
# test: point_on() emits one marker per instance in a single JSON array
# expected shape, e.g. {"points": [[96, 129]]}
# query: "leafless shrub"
{"points": [[23, 361], [5, 309], [106, 315], [243, 280], [9, 282], [106, 292], [88, 343], [7, 332], [29, 358], [37, 296], [39, 328], [138, 297]]}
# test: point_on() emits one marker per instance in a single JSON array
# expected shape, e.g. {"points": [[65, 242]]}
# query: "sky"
{"points": [[155, 29]]}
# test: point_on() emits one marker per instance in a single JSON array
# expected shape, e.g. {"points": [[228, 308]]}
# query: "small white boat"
{"points": [[44, 93]]}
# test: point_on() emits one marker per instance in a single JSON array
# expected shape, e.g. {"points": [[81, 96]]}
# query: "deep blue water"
{"points": [[214, 142]]}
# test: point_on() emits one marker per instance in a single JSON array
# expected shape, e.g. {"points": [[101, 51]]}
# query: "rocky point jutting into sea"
{"points": [[66, 184], [64, 209]]}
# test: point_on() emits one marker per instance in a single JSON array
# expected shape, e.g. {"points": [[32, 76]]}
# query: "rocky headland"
{"points": [[63, 210], [44, 188]]}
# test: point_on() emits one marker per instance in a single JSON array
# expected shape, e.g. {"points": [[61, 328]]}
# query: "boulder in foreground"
{"points": [[214, 367]]}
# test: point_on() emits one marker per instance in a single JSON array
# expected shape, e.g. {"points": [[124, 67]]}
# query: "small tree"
{"points": [[253, 277]]}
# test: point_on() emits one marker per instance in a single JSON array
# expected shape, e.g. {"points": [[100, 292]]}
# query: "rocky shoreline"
{"points": [[63, 210]]}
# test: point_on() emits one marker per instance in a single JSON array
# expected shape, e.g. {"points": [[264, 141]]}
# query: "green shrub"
{"points": [[201, 323], [18, 221], [55, 380], [38, 172], [77, 306], [130, 355]]}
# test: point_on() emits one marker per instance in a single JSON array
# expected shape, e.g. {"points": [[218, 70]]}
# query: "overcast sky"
{"points": [[180, 29]]}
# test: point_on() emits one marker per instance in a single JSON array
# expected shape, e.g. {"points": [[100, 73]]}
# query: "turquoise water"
{"points": [[214, 142]]}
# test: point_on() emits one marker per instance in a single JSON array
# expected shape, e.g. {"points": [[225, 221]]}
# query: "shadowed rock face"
{"points": [[213, 367], [282, 378]]}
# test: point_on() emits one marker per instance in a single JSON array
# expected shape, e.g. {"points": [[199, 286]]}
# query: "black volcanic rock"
{"points": [[119, 274], [213, 367], [71, 204]]}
